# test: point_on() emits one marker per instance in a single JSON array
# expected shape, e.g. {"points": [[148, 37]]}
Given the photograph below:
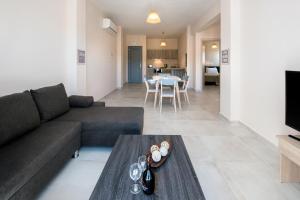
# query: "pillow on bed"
{"points": [[212, 70]]}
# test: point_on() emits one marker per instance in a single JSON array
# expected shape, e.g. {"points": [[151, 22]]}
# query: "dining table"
{"points": [[157, 79]]}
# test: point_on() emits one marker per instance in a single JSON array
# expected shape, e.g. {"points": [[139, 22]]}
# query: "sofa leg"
{"points": [[76, 154]]}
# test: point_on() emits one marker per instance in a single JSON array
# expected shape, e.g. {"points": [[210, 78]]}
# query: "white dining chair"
{"points": [[168, 90], [151, 87], [184, 89]]}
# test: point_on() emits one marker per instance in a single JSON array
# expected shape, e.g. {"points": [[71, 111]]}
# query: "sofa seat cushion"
{"points": [[23, 158], [103, 125], [51, 101], [18, 115]]}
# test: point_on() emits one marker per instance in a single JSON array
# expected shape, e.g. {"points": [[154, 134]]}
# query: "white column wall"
{"points": [[230, 73], [191, 57], [81, 44], [120, 58], [199, 63]]}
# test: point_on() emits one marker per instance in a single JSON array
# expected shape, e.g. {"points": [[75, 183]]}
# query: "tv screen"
{"points": [[292, 117]]}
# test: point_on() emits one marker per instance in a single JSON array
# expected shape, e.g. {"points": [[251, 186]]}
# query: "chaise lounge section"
{"points": [[101, 126], [41, 130]]}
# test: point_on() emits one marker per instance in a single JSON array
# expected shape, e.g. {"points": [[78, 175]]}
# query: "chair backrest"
{"points": [[149, 83], [150, 72], [164, 74], [166, 71], [185, 78], [168, 82], [179, 72], [146, 82], [186, 82]]}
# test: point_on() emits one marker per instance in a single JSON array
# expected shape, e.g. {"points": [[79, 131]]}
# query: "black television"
{"points": [[292, 99]]}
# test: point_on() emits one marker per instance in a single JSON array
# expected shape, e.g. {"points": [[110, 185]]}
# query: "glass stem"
{"points": [[136, 186]]}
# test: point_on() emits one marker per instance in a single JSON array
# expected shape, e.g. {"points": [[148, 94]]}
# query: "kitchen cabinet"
{"points": [[162, 54]]}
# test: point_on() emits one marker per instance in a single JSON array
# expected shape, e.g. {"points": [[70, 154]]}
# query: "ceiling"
{"points": [[175, 14]]}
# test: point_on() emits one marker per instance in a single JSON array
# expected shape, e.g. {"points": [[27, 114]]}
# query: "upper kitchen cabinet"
{"points": [[162, 54]]}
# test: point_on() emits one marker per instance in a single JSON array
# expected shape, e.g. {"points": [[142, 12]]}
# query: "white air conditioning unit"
{"points": [[109, 25]]}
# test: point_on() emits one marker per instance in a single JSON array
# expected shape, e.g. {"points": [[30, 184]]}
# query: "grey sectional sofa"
{"points": [[40, 130]]}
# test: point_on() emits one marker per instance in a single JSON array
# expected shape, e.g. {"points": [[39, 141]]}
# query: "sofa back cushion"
{"points": [[51, 101], [18, 115]]}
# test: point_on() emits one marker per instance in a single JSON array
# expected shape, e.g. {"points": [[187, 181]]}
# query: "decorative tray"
{"points": [[163, 158]]}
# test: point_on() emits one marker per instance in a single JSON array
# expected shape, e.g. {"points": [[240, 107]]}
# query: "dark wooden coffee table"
{"points": [[175, 180]]}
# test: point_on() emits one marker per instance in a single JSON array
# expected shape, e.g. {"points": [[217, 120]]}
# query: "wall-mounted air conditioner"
{"points": [[109, 25]]}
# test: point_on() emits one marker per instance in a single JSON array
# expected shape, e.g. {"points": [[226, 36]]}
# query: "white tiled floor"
{"points": [[230, 160]]}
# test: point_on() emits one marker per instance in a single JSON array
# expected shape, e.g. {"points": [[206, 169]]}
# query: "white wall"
{"points": [[212, 55], [81, 44], [262, 47], [208, 18], [120, 58], [154, 43], [135, 40], [270, 45], [225, 79], [191, 48], [182, 50], [71, 40], [41, 39], [101, 54], [230, 73], [33, 44], [75, 75]]}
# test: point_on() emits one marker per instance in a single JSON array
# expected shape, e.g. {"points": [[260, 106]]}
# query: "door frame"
{"points": [[199, 67], [141, 64], [203, 72]]}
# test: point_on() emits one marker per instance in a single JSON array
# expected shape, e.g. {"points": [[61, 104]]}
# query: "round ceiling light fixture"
{"points": [[153, 18], [214, 46]]}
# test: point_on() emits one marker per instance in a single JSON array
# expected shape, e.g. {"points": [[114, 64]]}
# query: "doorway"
{"points": [[211, 62], [135, 59]]}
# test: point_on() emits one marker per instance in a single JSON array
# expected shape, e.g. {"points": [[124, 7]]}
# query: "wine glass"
{"points": [[142, 162], [135, 173]]}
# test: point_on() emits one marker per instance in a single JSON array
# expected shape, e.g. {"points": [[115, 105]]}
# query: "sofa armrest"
{"points": [[77, 101], [99, 103]]}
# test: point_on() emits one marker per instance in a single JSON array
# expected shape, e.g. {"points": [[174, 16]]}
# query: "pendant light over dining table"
{"points": [[153, 18], [163, 43]]}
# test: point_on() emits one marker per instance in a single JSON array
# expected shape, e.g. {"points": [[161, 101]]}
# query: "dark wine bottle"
{"points": [[148, 182]]}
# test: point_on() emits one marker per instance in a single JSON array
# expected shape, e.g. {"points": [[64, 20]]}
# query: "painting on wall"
{"points": [[81, 56], [225, 56]]}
